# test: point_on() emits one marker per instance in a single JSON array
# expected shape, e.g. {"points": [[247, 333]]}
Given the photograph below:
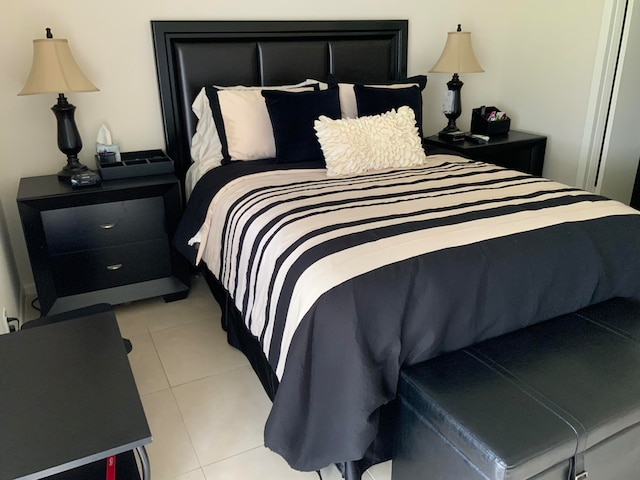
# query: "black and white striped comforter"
{"points": [[344, 280]]}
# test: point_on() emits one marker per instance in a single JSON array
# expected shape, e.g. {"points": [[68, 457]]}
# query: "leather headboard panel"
{"points": [[375, 63], [291, 62], [200, 64], [190, 55]]}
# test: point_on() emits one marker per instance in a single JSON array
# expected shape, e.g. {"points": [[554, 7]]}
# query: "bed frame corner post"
{"points": [[352, 471]]}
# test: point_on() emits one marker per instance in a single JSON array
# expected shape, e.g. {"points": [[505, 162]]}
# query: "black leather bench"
{"points": [[557, 400]]}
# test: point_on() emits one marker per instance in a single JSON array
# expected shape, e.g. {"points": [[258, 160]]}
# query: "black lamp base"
{"points": [[69, 141], [454, 85], [72, 167], [449, 129]]}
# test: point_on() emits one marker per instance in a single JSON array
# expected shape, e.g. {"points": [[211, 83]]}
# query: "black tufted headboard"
{"points": [[191, 54]]}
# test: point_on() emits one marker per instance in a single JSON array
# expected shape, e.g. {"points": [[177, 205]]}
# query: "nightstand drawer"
{"points": [[102, 225], [521, 159], [108, 267]]}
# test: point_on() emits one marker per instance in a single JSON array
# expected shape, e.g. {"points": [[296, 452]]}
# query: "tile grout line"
{"points": [[171, 388], [163, 364], [173, 395], [233, 456]]}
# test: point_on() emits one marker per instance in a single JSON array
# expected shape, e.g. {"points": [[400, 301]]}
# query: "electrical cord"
{"points": [[33, 304], [13, 328]]}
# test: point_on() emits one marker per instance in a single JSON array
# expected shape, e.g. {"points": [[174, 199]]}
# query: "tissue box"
{"points": [[135, 164], [480, 124]]}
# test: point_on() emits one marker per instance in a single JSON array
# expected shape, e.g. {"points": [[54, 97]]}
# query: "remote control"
{"points": [[475, 138], [85, 179]]}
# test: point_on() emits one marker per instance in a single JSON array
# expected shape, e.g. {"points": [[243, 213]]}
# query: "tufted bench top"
{"points": [[556, 400]]}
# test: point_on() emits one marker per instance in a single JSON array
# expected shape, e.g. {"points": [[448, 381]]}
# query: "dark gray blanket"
{"points": [[343, 361]]}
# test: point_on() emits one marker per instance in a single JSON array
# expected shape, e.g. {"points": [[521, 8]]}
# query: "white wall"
{"points": [[548, 65], [538, 56]]}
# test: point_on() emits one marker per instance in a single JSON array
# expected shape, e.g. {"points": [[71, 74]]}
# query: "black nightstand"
{"points": [[516, 150], [109, 243]]}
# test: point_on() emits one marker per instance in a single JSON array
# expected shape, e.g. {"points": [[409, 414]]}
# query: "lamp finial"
{"points": [[49, 34], [459, 28]]}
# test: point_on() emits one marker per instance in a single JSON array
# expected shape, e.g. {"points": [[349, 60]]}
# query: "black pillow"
{"points": [[376, 100], [292, 115]]}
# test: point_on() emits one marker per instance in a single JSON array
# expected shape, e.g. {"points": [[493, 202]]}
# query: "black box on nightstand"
{"points": [[135, 164], [482, 122]]}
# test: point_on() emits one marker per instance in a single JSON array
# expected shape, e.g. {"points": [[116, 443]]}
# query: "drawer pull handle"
{"points": [[107, 226], [115, 266]]}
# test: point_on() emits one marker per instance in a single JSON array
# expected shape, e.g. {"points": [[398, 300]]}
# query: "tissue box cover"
{"points": [[136, 164]]}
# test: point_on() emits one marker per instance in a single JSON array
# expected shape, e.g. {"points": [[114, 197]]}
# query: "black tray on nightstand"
{"points": [[136, 164]]}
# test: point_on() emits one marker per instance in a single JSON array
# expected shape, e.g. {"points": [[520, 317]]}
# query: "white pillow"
{"points": [[240, 122], [206, 149], [358, 145]]}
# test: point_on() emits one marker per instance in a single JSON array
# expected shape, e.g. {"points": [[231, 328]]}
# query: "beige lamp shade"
{"points": [[54, 69], [457, 56]]}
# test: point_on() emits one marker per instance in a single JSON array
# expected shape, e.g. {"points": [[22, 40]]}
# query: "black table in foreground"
{"points": [[67, 398]]}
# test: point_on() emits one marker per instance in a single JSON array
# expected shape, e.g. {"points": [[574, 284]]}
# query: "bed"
{"points": [[332, 277]]}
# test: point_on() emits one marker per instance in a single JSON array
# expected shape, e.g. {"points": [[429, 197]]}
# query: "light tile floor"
{"points": [[205, 406]]}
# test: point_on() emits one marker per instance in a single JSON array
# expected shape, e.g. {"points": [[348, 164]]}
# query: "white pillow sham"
{"points": [[248, 132], [357, 145], [247, 124], [206, 149]]}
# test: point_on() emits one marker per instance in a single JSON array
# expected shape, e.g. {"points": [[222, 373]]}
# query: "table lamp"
{"points": [[457, 57], [54, 70]]}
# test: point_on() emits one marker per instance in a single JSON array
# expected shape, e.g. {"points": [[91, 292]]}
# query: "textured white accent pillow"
{"points": [[357, 145]]}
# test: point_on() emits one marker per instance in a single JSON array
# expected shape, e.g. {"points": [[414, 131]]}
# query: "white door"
{"points": [[621, 146]]}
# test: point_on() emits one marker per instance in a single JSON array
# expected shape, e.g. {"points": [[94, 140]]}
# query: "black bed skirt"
{"points": [[238, 336], [241, 338]]}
